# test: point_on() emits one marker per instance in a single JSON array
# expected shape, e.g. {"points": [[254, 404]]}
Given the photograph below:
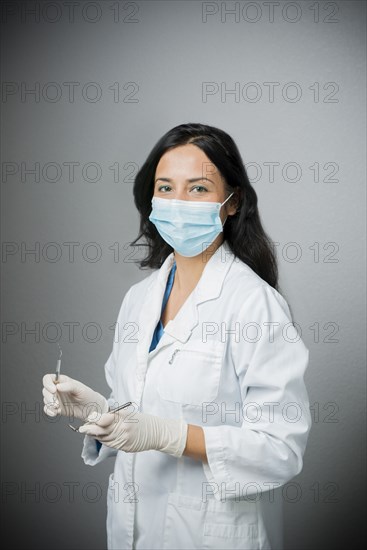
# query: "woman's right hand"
{"points": [[71, 398]]}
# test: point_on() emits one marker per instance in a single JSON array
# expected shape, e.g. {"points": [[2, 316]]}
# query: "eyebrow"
{"points": [[191, 180]]}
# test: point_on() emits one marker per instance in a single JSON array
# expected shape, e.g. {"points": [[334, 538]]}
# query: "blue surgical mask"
{"points": [[189, 227]]}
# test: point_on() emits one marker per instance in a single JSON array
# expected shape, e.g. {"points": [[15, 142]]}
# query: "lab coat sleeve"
{"points": [[93, 453], [267, 450]]}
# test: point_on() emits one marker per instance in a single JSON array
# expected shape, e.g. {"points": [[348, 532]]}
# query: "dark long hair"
{"points": [[243, 231]]}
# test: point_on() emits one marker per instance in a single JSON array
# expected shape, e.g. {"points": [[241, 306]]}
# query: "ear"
{"points": [[234, 202]]}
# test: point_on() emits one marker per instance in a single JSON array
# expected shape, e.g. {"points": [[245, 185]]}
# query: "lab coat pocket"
{"points": [[191, 374], [184, 522], [231, 526], [192, 523]]}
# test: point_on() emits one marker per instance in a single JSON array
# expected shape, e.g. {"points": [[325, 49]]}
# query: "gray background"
{"points": [[169, 52]]}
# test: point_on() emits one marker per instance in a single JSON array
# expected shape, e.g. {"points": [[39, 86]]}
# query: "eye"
{"points": [[162, 187], [200, 188]]}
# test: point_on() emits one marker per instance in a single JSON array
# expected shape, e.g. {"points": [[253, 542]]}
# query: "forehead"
{"points": [[186, 159]]}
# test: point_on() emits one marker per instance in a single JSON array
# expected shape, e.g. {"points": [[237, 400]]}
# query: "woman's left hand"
{"points": [[136, 432]]}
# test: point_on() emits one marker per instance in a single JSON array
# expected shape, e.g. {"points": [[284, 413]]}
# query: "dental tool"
{"points": [[109, 410], [58, 366]]}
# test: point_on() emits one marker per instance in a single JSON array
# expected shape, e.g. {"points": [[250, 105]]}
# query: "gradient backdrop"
{"points": [[87, 90]]}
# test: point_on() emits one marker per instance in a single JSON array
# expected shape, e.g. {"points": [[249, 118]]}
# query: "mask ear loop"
{"points": [[222, 205]]}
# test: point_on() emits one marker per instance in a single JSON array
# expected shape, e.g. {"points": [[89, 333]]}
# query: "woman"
{"points": [[206, 351]]}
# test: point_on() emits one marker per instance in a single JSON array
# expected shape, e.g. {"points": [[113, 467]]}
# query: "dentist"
{"points": [[206, 350]]}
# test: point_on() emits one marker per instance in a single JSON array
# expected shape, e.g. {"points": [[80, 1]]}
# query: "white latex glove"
{"points": [[134, 432], [71, 398]]}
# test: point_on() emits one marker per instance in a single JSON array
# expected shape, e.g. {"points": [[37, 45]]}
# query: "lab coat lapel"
{"points": [[208, 288], [151, 308]]}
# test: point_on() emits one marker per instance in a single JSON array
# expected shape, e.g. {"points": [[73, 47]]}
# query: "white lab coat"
{"points": [[232, 362]]}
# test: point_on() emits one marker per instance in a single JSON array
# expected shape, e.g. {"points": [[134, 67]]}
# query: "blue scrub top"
{"points": [[158, 332]]}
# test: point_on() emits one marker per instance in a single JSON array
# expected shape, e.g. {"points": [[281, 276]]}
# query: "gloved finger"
{"points": [[48, 382], [51, 411], [67, 384], [49, 397], [103, 420], [93, 430], [94, 417], [50, 402]]}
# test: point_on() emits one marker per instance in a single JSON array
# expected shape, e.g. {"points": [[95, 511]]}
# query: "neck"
{"points": [[189, 270]]}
